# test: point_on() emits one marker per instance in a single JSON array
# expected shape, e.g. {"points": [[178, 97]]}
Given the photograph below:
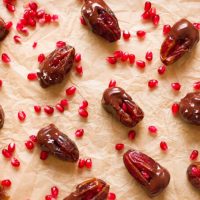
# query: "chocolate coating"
{"points": [[113, 100], [181, 39], [193, 174], [55, 142], [92, 189], [3, 31], [3, 195], [2, 117], [101, 19], [150, 174], [190, 108], [56, 65]]}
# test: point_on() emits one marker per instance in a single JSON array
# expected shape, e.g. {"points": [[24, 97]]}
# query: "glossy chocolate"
{"points": [[93, 189], [55, 66], [55, 142], [101, 19], [2, 117], [3, 31], [151, 175], [3, 195], [190, 108], [193, 174], [113, 100], [181, 39]]}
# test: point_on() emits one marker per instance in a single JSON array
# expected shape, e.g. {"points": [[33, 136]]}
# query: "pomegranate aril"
{"points": [[17, 39], [33, 138], [41, 58], [88, 163], [6, 183], [162, 70], [83, 113], [131, 134], [15, 162], [175, 108], [8, 25], [37, 109], [34, 45], [54, 191], [82, 20], [149, 56], [166, 29], [32, 22], [84, 104], [55, 18], [141, 34], [131, 58], [21, 116], [32, 76], [156, 20], [33, 6], [196, 85], [40, 13], [49, 197], [152, 129], [163, 146], [118, 54], [194, 155], [125, 56], [10, 7], [112, 83], [11, 147], [81, 163], [79, 133], [152, 12], [64, 103], [147, 5], [176, 86], [60, 44], [29, 145], [47, 18], [70, 91], [146, 15], [5, 58], [77, 57], [79, 69], [197, 25], [111, 196], [119, 147], [60, 108], [49, 110], [111, 60], [153, 83], [126, 35], [6, 153], [44, 155], [140, 64]]}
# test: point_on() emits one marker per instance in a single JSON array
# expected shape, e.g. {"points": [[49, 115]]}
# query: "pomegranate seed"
{"points": [[81, 163], [54, 191], [15, 162], [125, 56], [176, 86], [118, 54], [32, 76], [197, 25], [82, 20], [21, 116], [64, 103], [156, 20], [47, 18], [131, 58], [40, 13], [147, 6], [41, 21], [194, 155], [112, 83], [60, 44], [71, 91], [6, 183], [163, 145], [32, 22], [126, 35], [166, 29], [55, 18], [152, 12], [60, 108], [79, 133], [48, 110], [111, 60], [124, 107], [33, 6], [131, 134], [196, 85], [37, 109], [153, 83], [29, 145], [44, 155], [84, 104], [83, 113], [79, 70], [119, 147], [17, 39], [175, 108], [8, 25], [41, 58], [10, 7], [33, 138], [49, 197], [88, 163], [152, 129], [1, 83], [111, 196], [141, 64], [11, 147], [34, 45], [162, 70], [146, 15], [5, 58], [6, 153], [77, 57], [141, 34], [149, 56]]}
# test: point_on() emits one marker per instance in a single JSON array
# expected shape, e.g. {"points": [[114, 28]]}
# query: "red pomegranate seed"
{"points": [[64, 103], [111, 60], [131, 58], [141, 64], [17, 39], [6, 183], [152, 129], [84, 104], [47, 18], [83, 113], [196, 85], [37, 109], [60, 44], [60, 108], [131, 134], [111, 196], [147, 6], [8, 25], [141, 34], [146, 15], [126, 35], [81, 163], [79, 133], [6, 153], [156, 20], [166, 29], [152, 12], [119, 147], [48, 110], [112, 83], [88, 163], [32, 76], [11, 147], [34, 45], [175, 108], [29, 145], [54, 191], [82, 20], [49, 197], [197, 25], [162, 70], [21, 116], [163, 145], [5, 58], [40, 13], [153, 83], [118, 54], [194, 155], [44, 155], [176, 86], [149, 56], [15, 162], [77, 57], [33, 6], [55, 18], [125, 56], [33, 138], [10, 7], [79, 70], [71, 91], [41, 58]]}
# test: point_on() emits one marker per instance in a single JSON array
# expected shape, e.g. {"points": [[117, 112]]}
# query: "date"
{"points": [[3, 31], [2, 117], [151, 175], [117, 102], [3, 195], [101, 20], [58, 144], [92, 189], [190, 108], [193, 174], [55, 66], [181, 39]]}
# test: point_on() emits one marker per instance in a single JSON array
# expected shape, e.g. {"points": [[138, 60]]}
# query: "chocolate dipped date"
{"points": [[3, 31], [193, 174], [92, 189], [151, 175], [116, 101], [189, 108], [56, 65], [180, 40], [101, 19], [2, 117], [57, 143]]}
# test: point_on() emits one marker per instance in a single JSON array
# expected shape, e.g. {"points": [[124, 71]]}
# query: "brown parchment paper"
{"points": [[34, 178]]}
